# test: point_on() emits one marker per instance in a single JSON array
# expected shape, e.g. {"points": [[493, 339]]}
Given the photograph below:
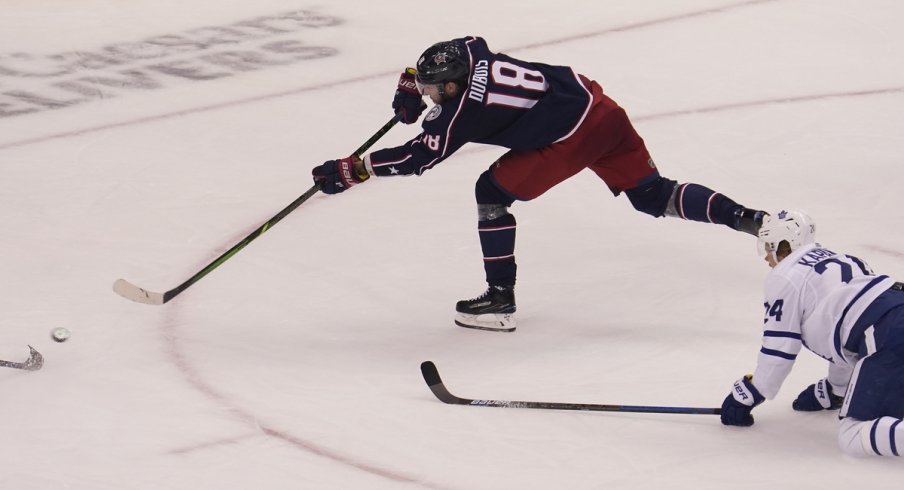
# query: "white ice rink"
{"points": [[142, 139]]}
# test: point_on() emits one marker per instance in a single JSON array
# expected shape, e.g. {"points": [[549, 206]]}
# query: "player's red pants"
{"points": [[606, 142]]}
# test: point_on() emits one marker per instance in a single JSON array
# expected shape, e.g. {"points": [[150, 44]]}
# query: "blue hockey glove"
{"points": [[740, 402], [816, 397], [408, 102], [335, 176]]}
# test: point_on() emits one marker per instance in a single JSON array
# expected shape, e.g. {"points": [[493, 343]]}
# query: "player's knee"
{"points": [[490, 212], [487, 191], [850, 437], [492, 202], [653, 197], [877, 437]]}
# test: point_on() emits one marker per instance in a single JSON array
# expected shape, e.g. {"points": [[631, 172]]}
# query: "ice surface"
{"points": [[295, 364]]}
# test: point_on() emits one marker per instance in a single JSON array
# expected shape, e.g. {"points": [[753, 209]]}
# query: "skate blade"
{"points": [[495, 322]]}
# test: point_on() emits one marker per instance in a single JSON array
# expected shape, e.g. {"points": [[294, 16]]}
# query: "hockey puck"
{"points": [[59, 334]]}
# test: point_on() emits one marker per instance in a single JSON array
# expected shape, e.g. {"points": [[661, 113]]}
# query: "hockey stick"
{"points": [[33, 363], [431, 376], [130, 291]]}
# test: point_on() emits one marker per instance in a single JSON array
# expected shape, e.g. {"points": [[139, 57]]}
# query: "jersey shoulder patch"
{"points": [[435, 112]]}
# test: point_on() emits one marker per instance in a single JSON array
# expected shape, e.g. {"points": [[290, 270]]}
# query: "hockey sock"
{"points": [[497, 240], [883, 436], [697, 203], [879, 437]]}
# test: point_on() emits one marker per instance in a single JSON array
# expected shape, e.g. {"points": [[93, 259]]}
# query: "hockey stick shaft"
{"points": [[135, 293], [431, 376], [33, 363]]}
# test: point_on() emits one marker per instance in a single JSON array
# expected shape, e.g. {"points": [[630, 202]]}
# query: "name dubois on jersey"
{"points": [[479, 80]]}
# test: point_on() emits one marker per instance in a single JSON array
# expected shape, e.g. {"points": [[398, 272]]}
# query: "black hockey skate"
{"points": [[492, 310], [749, 220]]}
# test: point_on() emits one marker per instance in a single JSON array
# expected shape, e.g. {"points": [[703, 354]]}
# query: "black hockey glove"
{"points": [[408, 102], [335, 176], [816, 397], [740, 402]]}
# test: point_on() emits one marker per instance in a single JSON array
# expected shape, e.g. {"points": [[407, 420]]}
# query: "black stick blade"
{"points": [[431, 376]]}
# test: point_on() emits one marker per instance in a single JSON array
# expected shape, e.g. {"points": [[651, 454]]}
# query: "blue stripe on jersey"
{"points": [[778, 353], [891, 436], [837, 337], [776, 333], [872, 436]]}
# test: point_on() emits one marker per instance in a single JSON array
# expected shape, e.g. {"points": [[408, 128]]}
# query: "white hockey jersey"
{"points": [[812, 299]]}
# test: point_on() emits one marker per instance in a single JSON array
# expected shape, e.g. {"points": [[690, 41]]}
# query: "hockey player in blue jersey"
{"points": [[835, 306], [555, 123]]}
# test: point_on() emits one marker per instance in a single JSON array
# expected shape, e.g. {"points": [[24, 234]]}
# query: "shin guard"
{"points": [[497, 240], [698, 203]]}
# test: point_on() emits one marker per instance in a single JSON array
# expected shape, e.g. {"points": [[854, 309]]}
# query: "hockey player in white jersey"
{"points": [[834, 305]]}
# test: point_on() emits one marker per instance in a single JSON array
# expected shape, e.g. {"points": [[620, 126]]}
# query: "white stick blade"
{"points": [[132, 292]]}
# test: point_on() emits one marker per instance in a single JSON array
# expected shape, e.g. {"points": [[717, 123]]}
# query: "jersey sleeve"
{"points": [[781, 336], [839, 377], [412, 158], [443, 134]]}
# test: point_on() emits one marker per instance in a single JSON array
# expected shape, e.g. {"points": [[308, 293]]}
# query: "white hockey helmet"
{"points": [[795, 227]]}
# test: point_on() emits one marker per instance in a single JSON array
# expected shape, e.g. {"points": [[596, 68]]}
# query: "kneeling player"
{"points": [[834, 305]]}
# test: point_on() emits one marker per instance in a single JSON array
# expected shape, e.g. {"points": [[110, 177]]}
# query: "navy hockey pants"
{"points": [[877, 385]]}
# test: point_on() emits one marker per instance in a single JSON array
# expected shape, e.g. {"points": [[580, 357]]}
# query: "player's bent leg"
{"points": [[652, 197], [494, 309], [496, 228], [698, 203], [879, 437], [849, 440], [883, 437], [694, 202]]}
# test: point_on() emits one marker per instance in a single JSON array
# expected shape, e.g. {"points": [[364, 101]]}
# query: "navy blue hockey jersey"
{"points": [[508, 102]]}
